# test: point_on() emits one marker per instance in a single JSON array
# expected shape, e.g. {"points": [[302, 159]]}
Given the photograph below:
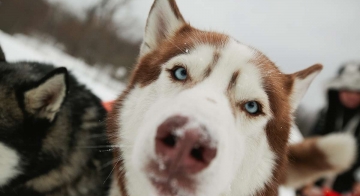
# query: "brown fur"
{"points": [[233, 80], [176, 10], [278, 87], [113, 127], [231, 96], [304, 73], [306, 158], [149, 67], [212, 64]]}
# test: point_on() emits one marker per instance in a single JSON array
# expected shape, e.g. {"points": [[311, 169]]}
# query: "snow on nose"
{"points": [[188, 151]]}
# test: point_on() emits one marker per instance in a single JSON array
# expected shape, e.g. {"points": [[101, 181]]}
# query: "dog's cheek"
{"points": [[9, 163], [231, 154], [135, 106]]}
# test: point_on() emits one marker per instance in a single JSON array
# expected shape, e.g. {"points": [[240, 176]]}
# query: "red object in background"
{"points": [[108, 105], [329, 192]]}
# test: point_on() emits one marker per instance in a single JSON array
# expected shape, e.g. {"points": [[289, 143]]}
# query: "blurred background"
{"points": [[98, 40]]}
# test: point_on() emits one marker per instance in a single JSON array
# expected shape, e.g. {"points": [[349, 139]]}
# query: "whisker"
{"points": [[104, 146], [111, 172], [97, 136], [108, 150], [107, 164]]}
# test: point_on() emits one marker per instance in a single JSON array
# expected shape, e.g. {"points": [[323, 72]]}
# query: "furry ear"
{"points": [[301, 82], [2, 55], [163, 21], [46, 98]]}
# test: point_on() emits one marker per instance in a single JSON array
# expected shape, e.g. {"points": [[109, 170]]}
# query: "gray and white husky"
{"points": [[49, 124], [206, 115]]}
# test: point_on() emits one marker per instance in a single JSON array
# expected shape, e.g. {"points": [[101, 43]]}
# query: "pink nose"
{"points": [[187, 151]]}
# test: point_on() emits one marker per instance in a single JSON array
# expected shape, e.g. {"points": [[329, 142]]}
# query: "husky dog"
{"points": [[48, 126], [205, 115]]}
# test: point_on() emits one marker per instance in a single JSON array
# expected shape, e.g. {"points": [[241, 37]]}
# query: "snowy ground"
{"points": [[23, 48]]}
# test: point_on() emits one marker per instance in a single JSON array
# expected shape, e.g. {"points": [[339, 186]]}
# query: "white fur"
{"points": [[34, 98], [340, 150], [9, 162], [300, 87], [114, 189]]}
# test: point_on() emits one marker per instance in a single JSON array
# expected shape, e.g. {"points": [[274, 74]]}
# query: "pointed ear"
{"points": [[163, 21], [301, 82], [2, 55], [45, 99]]}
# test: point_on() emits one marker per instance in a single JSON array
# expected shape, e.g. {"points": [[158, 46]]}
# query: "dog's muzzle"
{"points": [[183, 148]]}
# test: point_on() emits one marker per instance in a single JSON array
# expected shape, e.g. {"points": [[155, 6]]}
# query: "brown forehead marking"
{"points": [[278, 87], [233, 80], [231, 94], [186, 38], [211, 66]]}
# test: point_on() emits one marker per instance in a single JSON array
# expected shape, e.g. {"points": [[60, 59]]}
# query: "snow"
{"points": [[23, 48]]}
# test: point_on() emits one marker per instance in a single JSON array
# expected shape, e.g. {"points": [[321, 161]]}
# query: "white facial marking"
{"points": [[9, 161], [299, 89]]}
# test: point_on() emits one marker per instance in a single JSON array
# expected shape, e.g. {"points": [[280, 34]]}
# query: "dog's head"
{"points": [[29, 103], [204, 114]]}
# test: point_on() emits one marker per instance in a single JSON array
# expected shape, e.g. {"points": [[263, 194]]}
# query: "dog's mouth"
{"points": [[166, 187]]}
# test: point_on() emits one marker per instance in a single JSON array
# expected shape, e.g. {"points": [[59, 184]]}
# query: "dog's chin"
{"points": [[169, 184], [164, 188], [170, 187]]}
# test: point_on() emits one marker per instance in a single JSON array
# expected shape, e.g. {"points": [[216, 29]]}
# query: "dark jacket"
{"points": [[336, 118]]}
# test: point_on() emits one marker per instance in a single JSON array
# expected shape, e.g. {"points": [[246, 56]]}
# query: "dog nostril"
{"points": [[197, 153], [169, 140]]}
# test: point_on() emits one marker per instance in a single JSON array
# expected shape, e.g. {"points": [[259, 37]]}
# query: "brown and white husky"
{"points": [[206, 115]]}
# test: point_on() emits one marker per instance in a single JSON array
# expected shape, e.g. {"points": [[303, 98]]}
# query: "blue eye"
{"points": [[252, 107], [180, 73]]}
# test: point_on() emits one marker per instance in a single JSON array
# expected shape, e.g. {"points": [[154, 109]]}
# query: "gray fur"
{"points": [[59, 156]]}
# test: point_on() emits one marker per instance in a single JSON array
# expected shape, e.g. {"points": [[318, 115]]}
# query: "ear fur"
{"points": [[301, 82], [2, 55], [45, 99], [163, 21]]}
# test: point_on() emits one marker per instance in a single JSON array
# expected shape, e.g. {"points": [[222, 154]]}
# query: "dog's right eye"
{"points": [[252, 107], [179, 73]]}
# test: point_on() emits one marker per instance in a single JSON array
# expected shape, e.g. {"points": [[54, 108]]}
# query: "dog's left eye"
{"points": [[252, 107], [180, 73]]}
